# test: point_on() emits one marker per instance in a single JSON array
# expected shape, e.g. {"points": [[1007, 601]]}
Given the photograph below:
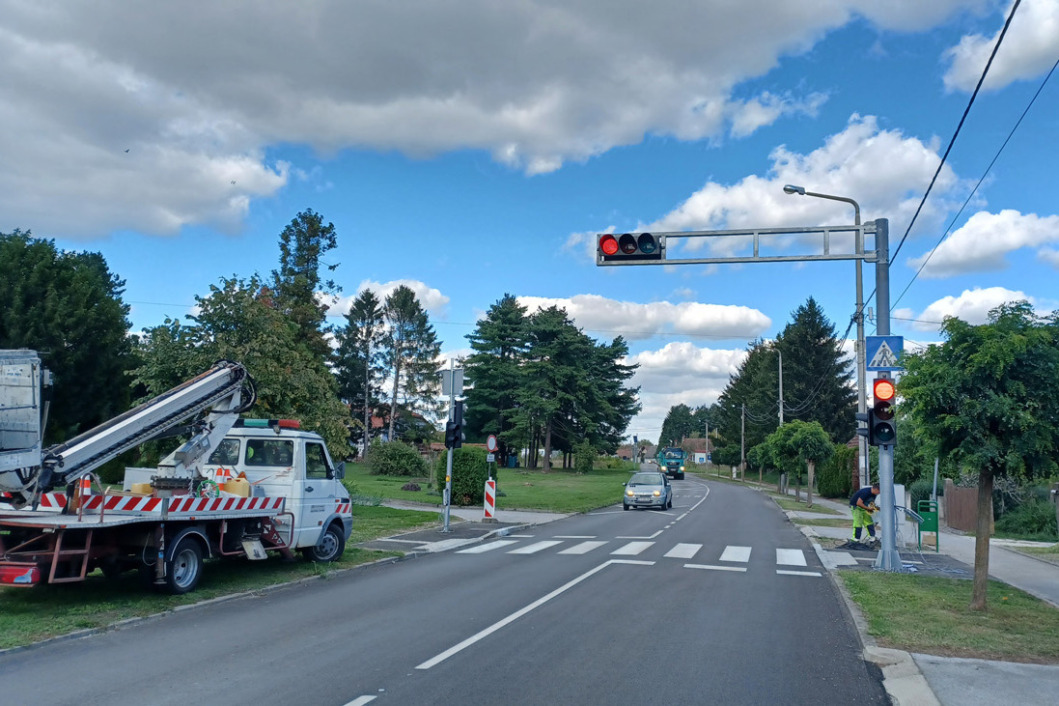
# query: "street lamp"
{"points": [[862, 401]]}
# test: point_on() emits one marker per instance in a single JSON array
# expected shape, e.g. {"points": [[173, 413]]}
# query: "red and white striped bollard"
{"points": [[490, 499]]}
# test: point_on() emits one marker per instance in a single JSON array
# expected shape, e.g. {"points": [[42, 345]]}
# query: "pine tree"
{"points": [[358, 364], [410, 355]]}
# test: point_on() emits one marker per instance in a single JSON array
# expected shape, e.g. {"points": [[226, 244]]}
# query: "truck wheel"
{"points": [[329, 548], [183, 571]]}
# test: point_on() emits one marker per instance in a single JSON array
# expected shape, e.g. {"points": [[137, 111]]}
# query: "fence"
{"points": [[961, 508]]}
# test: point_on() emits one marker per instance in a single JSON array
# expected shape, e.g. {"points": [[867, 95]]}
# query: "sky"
{"points": [[471, 148]]}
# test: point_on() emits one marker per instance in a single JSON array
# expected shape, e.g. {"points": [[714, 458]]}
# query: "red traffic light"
{"points": [[629, 248], [608, 244], [883, 390]]}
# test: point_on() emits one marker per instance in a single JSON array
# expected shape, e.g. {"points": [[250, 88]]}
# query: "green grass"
{"points": [[823, 522], [29, 615], [1049, 554], [931, 615], [518, 488]]}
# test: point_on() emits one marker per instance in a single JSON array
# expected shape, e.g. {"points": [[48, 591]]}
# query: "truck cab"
{"points": [[671, 462], [278, 458]]}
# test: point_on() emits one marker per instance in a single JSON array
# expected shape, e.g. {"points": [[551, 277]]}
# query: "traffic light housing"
{"points": [[454, 427], [629, 248], [882, 425]]}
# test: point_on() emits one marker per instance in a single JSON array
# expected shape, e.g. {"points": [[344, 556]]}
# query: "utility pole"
{"points": [[781, 385], [742, 441], [448, 462], [889, 559]]}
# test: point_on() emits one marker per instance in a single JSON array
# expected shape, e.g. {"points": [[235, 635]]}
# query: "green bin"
{"points": [[928, 510]]}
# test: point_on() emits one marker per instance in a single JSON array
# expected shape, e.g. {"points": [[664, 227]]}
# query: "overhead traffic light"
{"points": [[882, 425], [629, 248]]}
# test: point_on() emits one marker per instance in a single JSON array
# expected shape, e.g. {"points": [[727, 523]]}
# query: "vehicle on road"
{"points": [[236, 488], [648, 489], [671, 462]]}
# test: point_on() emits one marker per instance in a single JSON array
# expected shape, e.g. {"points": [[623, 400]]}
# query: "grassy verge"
{"points": [[33, 614], [789, 503], [823, 522], [931, 615], [1049, 554], [518, 488]]}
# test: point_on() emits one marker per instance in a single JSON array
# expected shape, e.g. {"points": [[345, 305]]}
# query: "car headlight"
{"points": [[630, 493], [657, 493]]}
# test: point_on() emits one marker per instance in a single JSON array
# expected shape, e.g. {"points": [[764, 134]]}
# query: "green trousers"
{"points": [[862, 518]]}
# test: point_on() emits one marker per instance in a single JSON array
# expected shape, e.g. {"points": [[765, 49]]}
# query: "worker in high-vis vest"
{"points": [[863, 504]]}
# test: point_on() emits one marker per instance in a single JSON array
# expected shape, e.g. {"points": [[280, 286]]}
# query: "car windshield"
{"points": [[646, 479]]}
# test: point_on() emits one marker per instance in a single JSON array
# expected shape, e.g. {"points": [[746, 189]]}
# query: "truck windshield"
{"points": [[674, 454]]}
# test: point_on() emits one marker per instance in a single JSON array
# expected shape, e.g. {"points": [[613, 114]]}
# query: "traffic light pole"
{"points": [[889, 558]]}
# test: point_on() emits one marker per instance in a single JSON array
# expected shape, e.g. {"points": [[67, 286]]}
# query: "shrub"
{"points": [[469, 473], [834, 478], [1033, 519], [921, 490], [395, 458], [584, 457], [613, 463]]}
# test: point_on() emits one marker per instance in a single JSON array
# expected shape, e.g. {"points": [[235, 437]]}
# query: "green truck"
{"points": [[671, 462]]}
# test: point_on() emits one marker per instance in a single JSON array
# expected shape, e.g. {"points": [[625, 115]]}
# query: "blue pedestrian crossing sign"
{"points": [[883, 352]]}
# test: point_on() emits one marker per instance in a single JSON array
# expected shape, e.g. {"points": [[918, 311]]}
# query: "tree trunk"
{"points": [[809, 490], [981, 539], [393, 398], [548, 446]]}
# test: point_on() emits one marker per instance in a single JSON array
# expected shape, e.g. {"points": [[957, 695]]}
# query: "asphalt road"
{"points": [[708, 603]]}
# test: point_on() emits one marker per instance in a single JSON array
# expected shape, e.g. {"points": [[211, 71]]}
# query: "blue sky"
{"points": [[472, 148]]}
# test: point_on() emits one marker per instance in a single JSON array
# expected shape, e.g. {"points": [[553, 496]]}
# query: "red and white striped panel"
{"points": [[343, 508], [490, 499], [191, 504], [52, 501]]}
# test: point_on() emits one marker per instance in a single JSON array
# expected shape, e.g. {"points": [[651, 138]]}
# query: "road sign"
{"points": [[490, 458], [490, 444], [883, 352]]}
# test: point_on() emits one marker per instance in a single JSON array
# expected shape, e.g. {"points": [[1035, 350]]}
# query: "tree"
{"points": [[297, 283], [410, 355], [755, 387], [817, 384], [495, 372], [810, 443], [358, 364], [989, 397], [238, 322], [678, 425], [67, 306]]}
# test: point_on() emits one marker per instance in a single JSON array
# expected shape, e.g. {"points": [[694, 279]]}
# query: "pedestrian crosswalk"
{"points": [[733, 558]]}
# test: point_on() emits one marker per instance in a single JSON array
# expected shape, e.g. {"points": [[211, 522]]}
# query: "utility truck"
{"points": [[671, 461], [236, 488]]}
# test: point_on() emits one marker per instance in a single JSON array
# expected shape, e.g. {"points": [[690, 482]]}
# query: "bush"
{"points": [[921, 490], [469, 473], [1033, 519], [584, 457], [835, 477], [613, 463], [395, 458]]}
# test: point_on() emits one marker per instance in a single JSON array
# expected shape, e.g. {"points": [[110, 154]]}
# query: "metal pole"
{"points": [[448, 462], [742, 440], [889, 559]]}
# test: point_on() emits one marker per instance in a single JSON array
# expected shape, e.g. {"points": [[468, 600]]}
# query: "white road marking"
{"points": [[733, 553], [683, 551], [536, 547], [482, 548], [361, 700], [583, 548], [631, 549], [650, 536], [741, 569], [575, 536], [798, 573], [522, 536], [790, 557], [433, 661]]}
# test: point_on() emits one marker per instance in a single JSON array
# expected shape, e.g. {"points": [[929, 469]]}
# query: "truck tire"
{"points": [[184, 569], [329, 548]]}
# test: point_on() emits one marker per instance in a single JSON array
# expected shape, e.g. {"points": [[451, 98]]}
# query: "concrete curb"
{"points": [[901, 676]]}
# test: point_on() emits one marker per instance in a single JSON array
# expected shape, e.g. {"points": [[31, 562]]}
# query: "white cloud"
{"points": [[972, 306], [197, 98], [885, 171], [1028, 50], [429, 298], [982, 242], [641, 321], [679, 373], [1049, 255]]}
